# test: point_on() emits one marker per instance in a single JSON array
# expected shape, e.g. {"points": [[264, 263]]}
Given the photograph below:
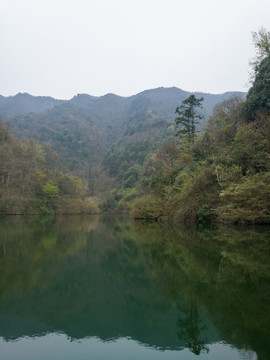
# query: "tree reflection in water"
{"points": [[168, 287], [190, 329]]}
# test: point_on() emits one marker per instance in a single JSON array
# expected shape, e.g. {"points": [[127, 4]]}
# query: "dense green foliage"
{"points": [[29, 185], [187, 117], [224, 176]]}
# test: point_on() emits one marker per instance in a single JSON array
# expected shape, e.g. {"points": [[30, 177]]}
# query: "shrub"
{"points": [[147, 207]]}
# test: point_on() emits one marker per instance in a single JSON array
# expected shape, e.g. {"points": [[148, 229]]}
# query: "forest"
{"points": [[164, 154]]}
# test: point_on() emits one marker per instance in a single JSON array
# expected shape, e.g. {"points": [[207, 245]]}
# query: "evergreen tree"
{"points": [[188, 117]]}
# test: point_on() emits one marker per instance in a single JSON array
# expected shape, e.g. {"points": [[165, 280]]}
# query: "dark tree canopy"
{"points": [[188, 117], [258, 97]]}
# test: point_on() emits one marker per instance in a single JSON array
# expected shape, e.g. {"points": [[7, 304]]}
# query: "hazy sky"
{"points": [[64, 47]]}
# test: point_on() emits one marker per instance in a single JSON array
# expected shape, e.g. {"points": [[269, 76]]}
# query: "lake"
{"points": [[108, 287]]}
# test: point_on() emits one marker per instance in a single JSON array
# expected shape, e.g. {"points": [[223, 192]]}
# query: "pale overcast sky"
{"points": [[64, 47]]}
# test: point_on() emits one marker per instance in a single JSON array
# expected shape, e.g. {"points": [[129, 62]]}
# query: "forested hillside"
{"points": [[96, 136], [222, 174], [86, 126], [163, 154], [31, 184]]}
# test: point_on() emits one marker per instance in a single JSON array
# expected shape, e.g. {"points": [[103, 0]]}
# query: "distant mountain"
{"points": [[164, 100], [22, 104], [87, 130]]}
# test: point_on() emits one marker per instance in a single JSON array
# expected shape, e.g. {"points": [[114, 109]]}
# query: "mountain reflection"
{"points": [[108, 277]]}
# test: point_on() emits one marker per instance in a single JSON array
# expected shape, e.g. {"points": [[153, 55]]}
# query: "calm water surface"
{"points": [[106, 287]]}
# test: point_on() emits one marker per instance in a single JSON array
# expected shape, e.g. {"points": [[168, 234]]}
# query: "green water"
{"points": [[75, 287]]}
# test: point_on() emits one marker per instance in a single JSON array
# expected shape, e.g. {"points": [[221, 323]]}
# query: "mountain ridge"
{"points": [[25, 103]]}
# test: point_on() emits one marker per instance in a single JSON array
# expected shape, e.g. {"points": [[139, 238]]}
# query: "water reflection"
{"points": [[167, 287], [190, 329]]}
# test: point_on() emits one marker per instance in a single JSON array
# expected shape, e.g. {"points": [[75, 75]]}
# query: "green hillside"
{"points": [[30, 182], [125, 152], [83, 129]]}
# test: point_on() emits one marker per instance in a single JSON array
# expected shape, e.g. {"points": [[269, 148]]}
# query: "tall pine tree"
{"points": [[188, 117]]}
